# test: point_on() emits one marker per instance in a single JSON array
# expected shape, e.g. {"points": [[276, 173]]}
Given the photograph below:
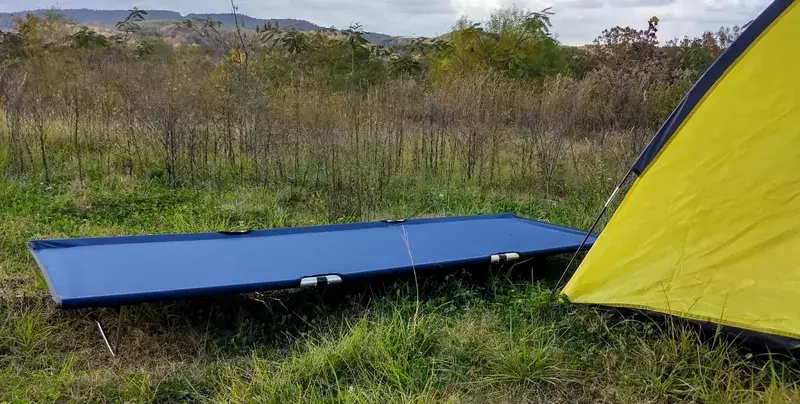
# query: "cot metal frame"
{"points": [[114, 347]]}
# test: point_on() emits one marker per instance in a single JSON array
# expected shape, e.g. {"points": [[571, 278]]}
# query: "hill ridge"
{"points": [[109, 17]]}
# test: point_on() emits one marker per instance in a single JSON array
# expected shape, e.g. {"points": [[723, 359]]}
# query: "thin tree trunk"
{"points": [[77, 145]]}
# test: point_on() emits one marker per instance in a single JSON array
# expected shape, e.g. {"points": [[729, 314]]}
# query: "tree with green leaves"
{"points": [[87, 38], [515, 41], [356, 44], [294, 42], [130, 29], [695, 55]]}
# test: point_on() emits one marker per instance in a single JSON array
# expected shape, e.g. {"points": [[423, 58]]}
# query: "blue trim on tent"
{"points": [[112, 271], [707, 81]]}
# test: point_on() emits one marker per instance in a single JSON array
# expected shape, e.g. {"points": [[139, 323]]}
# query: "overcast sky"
{"points": [[575, 21]]}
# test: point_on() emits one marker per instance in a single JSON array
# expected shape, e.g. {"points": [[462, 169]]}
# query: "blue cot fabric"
{"points": [[110, 271]]}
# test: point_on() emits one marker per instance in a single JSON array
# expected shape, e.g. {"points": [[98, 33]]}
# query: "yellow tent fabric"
{"points": [[711, 229]]}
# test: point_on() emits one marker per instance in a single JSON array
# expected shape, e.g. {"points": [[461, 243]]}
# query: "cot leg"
{"points": [[120, 325], [115, 349]]}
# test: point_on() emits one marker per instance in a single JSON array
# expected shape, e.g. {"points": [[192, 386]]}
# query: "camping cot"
{"points": [[123, 270]]}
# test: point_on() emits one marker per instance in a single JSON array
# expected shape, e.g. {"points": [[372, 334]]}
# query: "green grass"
{"points": [[470, 336]]}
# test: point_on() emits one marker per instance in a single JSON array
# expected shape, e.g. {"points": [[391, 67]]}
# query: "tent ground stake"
{"points": [[115, 349]]}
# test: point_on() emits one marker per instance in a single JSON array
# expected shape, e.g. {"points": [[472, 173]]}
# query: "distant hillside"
{"points": [[227, 21], [102, 18], [108, 18]]}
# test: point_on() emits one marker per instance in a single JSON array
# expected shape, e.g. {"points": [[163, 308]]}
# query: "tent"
{"points": [[710, 228]]}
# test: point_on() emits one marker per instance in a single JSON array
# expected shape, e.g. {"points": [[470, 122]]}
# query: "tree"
{"points": [[627, 49], [695, 55], [12, 47], [356, 43], [208, 30], [400, 64], [130, 24], [236, 47], [86, 38], [29, 31], [294, 42], [515, 41], [130, 27]]}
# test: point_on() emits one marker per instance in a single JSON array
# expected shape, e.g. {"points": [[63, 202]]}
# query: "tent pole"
{"points": [[591, 229]]}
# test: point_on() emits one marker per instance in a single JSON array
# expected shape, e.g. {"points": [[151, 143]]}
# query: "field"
{"points": [[124, 135], [469, 336]]}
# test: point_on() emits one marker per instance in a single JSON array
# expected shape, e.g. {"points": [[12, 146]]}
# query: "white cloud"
{"points": [[575, 21], [580, 21]]}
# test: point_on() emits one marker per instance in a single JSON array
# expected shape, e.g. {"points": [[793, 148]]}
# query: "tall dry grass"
{"points": [[185, 120]]}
